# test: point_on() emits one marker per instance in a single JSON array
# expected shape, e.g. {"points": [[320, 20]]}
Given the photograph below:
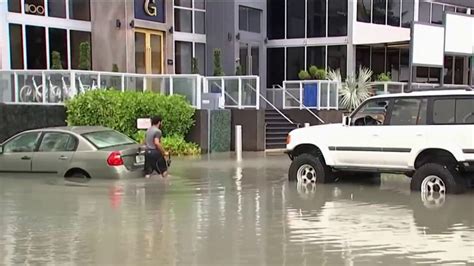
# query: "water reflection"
{"points": [[215, 211]]}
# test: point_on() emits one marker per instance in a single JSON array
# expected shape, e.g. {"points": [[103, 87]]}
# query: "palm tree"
{"points": [[354, 90]]}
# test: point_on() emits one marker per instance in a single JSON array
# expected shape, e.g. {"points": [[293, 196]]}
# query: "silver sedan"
{"points": [[73, 152]]}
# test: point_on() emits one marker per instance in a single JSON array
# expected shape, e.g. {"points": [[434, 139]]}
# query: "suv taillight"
{"points": [[115, 159]]}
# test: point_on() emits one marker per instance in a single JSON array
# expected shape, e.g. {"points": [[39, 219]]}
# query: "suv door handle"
{"points": [[63, 158], [26, 158], [419, 134], [375, 135]]}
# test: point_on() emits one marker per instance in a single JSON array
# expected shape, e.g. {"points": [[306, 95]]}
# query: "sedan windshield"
{"points": [[107, 139]]}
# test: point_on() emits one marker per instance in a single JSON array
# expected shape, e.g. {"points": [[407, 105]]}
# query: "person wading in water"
{"points": [[155, 154]]}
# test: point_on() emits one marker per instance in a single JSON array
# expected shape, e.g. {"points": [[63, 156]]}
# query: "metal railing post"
{"points": [[385, 88], [122, 83], [199, 92], [238, 142], [257, 99], [329, 97], [240, 93], [99, 84], [16, 91], [171, 85], [43, 81], [301, 95], [223, 90], [144, 84]]}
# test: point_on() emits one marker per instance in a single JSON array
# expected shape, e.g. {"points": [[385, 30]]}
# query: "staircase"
{"points": [[277, 129]]}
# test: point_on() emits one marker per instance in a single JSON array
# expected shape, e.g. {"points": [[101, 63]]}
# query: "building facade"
{"points": [[274, 39]]}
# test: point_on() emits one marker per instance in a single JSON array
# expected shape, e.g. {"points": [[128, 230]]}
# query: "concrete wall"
{"points": [[253, 129], [199, 132], [18, 118]]}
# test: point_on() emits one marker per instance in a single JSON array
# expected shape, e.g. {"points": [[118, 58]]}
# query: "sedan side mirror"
{"points": [[346, 120]]}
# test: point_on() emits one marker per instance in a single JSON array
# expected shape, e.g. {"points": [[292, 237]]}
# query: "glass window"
{"points": [[362, 57], [316, 18], [275, 15], [296, 19], [201, 57], [200, 22], [425, 11], [372, 113], [14, 6], [275, 66], [80, 10], [294, 62], [443, 111], [79, 38], [393, 63], [461, 10], [449, 9], [16, 46], [337, 18], [407, 13], [35, 47], [448, 69], [185, 3], [200, 4], [435, 75], [408, 112], [35, 7], [140, 53], [107, 139], [378, 60], [249, 19], [393, 13], [317, 56], [465, 111], [437, 14], [57, 142], [337, 58], [364, 10], [380, 11], [459, 70], [57, 8], [22, 143], [183, 20], [404, 65], [183, 53], [58, 43]]}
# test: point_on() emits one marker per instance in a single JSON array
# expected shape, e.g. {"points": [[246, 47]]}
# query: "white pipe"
{"points": [[238, 142], [306, 124]]}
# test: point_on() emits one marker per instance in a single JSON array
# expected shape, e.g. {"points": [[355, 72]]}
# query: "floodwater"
{"points": [[214, 211]]}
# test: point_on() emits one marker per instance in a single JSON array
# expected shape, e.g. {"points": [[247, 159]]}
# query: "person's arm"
{"points": [[158, 146]]}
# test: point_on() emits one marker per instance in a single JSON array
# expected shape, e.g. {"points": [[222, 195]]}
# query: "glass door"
{"points": [[249, 58], [149, 52]]}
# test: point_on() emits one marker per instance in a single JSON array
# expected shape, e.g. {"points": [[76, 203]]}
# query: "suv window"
{"points": [[409, 112], [371, 113], [23, 143], [453, 111], [56, 142]]}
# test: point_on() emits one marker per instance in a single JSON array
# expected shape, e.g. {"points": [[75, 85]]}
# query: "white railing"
{"points": [[56, 86], [390, 87], [310, 94], [241, 92]]}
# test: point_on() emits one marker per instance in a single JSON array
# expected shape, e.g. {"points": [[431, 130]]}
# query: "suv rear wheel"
{"points": [[307, 168], [436, 178]]}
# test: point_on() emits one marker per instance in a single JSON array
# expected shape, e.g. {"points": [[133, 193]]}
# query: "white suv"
{"points": [[427, 135]]}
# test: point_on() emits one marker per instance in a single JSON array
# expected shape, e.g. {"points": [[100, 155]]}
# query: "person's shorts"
{"points": [[155, 161]]}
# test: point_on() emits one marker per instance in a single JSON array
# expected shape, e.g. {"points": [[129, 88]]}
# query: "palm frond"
{"points": [[354, 90]]}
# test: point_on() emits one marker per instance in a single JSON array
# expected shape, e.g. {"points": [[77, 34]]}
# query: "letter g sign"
{"points": [[150, 8]]}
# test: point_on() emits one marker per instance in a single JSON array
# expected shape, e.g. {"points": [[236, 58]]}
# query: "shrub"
{"points": [[384, 77], [218, 71], [317, 73], [120, 110], [303, 75], [56, 60], [176, 145], [115, 68], [85, 56], [194, 66]]}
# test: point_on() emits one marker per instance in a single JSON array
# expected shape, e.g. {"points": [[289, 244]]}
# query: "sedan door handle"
{"points": [[63, 158], [26, 158]]}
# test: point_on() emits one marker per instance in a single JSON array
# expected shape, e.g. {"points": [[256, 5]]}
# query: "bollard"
{"points": [[238, 142], [306, 124]]}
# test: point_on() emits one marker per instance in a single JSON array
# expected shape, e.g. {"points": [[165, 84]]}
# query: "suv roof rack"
{"points": [[440, 88]]}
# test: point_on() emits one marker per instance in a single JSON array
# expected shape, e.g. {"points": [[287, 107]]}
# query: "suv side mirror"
{"points": [[1, 149], [346, 120]]}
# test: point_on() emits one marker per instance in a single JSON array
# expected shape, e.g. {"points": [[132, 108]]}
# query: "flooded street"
{"points": [[214, 211]]}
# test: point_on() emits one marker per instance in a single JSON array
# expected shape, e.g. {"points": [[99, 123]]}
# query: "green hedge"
{"points": [[176, 145], [120, 110]]}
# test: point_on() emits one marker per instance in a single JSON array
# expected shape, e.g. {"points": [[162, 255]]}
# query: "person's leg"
{"points": [[162, 166], [148, 170]]}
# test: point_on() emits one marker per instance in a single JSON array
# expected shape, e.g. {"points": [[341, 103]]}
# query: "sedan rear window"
{"points": [[107, 139]]}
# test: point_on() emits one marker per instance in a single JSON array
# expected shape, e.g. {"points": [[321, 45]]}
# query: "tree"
{"points": [[218, 71], [354, 90], [85, 56], [56, 60]]}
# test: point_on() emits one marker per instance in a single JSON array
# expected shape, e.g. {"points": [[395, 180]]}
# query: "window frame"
{"points": [[431, 100], [388, 116], [420, 99], [43, 134]]}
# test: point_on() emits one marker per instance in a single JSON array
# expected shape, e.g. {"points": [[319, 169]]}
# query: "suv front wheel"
{"points": [[307, 168], [436, 178]]}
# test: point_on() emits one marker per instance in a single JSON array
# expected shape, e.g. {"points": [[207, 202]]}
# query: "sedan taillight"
{"points": [[115, 159]]}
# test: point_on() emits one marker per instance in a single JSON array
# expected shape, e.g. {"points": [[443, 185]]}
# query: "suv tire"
{"points": [[307, 168], [437, 176]]}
